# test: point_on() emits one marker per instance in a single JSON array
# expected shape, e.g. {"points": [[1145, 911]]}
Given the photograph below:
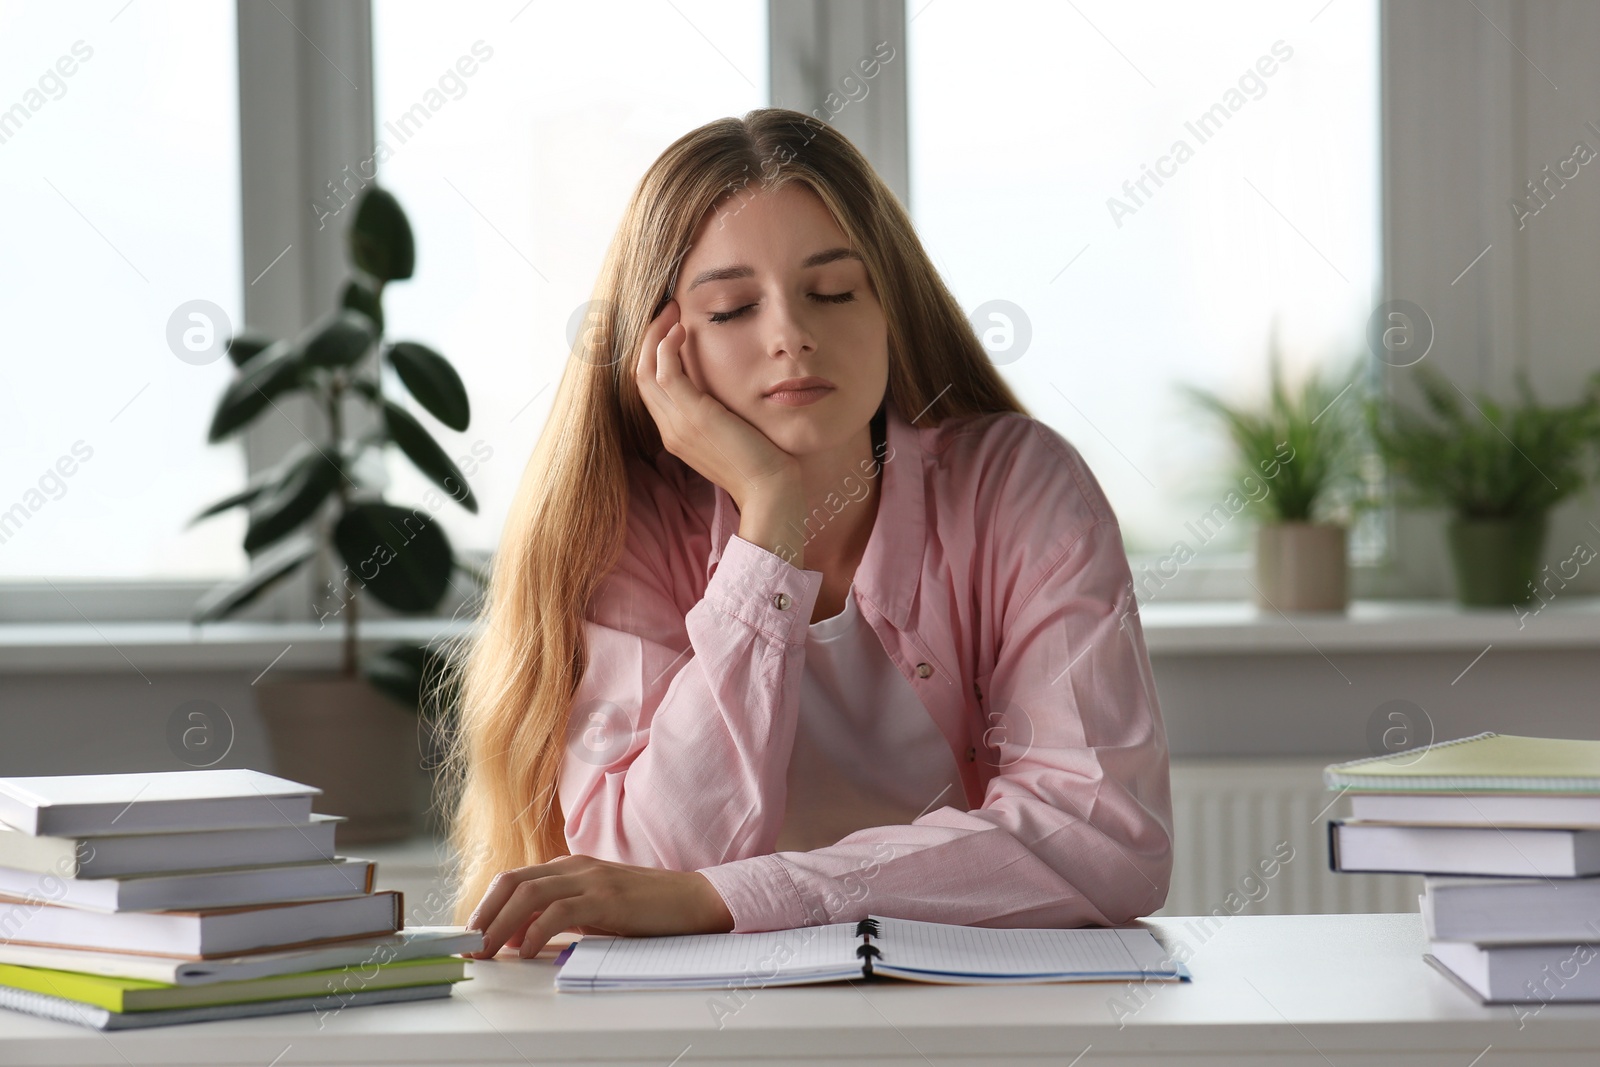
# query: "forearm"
{"points": [[942, 869], [702, 779]]}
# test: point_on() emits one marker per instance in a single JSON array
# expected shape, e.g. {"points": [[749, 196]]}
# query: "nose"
{"points": [[789, 335]]}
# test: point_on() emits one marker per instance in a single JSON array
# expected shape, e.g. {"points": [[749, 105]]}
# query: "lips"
{"points": [[797, 385]]}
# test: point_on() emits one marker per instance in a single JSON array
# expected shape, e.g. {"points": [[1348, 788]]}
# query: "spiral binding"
{"points": [[1410, 752], [867, 928]]}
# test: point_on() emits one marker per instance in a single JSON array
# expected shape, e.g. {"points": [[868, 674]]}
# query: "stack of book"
{"points": [[1506, 832], [132, 900]]}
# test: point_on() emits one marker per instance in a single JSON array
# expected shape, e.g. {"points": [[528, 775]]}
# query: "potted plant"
{"points": [[353, 733], [1304, 449], [1498, 469]]}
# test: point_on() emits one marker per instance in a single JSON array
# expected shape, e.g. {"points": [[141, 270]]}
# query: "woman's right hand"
{"points": [[699, 429]]}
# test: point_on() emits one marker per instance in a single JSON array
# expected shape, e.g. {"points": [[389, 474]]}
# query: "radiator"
{"points": [[1251, 837]]}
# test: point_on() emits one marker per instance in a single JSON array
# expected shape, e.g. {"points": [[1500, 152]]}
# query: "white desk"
{"points": [[1345, 990]]}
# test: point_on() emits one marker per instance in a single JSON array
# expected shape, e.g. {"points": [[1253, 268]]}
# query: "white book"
{"points": [[894, 948], [205, 932], [110, 855], [70, 1011], [341, 876], [1511, 909], [212, 799], [1466, 850], [413, 942], [1522, 974], [1477, 809]]}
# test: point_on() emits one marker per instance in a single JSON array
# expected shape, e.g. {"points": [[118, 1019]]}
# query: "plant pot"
{"points": [[1302, 566], [353, 742], [1496, 560]]}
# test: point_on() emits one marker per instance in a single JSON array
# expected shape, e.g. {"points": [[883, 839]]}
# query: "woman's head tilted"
{"points": [[766, 191], [772, 291], [758, 227]]}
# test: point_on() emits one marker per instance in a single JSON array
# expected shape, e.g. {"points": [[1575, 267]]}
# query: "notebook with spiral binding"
{"points": [[875, 947], [1486, 763]]}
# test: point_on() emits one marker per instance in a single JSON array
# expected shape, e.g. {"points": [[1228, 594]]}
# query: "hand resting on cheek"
{"points": [[698, 428]]}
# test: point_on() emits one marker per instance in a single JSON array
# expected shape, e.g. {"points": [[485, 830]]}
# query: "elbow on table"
{"points": [[1141, 901], [1144, 890]]}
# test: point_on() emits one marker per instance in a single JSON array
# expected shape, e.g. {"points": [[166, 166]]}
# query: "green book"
{"points": [[1486, 763], [134, 994]]}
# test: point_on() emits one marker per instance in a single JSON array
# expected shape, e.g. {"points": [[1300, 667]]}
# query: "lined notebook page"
{"points": [[691, 957], [967, 950], [924, 951]]}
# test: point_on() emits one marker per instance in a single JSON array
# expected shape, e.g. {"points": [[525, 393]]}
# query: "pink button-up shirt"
{"points": [[996, 579]]}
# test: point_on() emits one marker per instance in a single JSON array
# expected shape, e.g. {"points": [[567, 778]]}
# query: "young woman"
{"points": [[798, 615]]}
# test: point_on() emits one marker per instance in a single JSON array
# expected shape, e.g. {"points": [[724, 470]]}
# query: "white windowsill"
{"points": [[1197, 627], [224, 646], [1176, 628]]}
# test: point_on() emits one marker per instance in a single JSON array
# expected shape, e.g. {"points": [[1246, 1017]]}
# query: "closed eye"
{"points": [[821, 298]]}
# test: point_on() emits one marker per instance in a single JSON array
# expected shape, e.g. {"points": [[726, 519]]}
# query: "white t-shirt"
{"points": [[866, 752]]}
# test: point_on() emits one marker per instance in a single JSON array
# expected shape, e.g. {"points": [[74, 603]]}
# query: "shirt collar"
{"points": [[892, 564]]}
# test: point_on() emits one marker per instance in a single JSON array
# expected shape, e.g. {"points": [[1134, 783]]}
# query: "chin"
{"points": [[798, 441], [802, 434]]}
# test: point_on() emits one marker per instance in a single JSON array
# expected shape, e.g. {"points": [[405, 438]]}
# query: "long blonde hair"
{"points": [[518, 670]]}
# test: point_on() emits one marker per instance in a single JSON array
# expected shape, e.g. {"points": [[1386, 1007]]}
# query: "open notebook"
{"points": [[895, 948]]}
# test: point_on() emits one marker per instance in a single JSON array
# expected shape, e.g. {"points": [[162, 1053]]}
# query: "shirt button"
{"points": [[781, 600], [972, 754], [923, 670]]}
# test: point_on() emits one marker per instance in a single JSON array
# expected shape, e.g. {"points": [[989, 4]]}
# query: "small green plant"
{"points": [[1484, 460], [1307, 443], [399, 555]]}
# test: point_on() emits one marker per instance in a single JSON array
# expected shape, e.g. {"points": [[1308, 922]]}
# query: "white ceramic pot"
{"points": [[1302, 566], [354, 743]]}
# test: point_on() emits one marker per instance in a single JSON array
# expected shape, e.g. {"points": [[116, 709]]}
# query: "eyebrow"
{"points": [[816, 259]]}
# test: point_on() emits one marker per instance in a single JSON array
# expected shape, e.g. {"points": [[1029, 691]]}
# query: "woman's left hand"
{"points": [[592, 896]]}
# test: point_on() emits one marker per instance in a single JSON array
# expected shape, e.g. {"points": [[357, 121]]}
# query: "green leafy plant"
{"points": [[399, 555], [1306, 443], [1482, 459]]}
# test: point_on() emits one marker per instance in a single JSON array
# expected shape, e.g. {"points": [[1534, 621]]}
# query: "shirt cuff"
{"points": [[759, 894], [765, 590]]}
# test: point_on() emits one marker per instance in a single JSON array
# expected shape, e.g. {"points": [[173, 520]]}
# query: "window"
{"points": [[1141, 207], [516, 184], [1037, 132], [119, 169]]}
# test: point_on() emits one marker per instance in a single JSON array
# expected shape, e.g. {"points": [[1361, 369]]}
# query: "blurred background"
{"points": [[1140, 207]]}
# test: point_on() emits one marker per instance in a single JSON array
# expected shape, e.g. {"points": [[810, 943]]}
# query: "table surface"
{"points": [[1292, 989]]}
